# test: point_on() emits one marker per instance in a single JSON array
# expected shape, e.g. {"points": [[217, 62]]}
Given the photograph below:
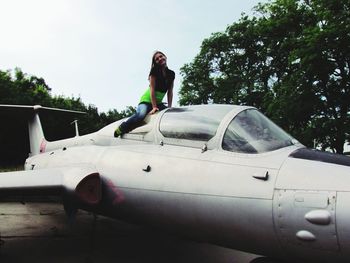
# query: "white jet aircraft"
{"points": [[222, 174]]}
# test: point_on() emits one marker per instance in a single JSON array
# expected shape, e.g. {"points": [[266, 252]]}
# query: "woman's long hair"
{"points": [[154, 66]]}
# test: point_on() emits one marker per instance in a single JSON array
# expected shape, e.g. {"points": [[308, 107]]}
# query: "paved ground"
{"points": [[40, 232]]}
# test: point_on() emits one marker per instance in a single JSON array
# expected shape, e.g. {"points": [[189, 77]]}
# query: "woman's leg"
{"points": [[141, 112]]}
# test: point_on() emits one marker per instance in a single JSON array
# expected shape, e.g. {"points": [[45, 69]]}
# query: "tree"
{"points": [[291, 61], [22, 89]]}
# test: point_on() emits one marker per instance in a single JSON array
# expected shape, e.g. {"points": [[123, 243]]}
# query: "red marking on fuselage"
{"points": [[42, 146], [119, 197]]}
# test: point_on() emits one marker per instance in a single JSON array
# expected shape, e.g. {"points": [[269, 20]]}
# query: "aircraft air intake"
{"points": [[89, 189]]}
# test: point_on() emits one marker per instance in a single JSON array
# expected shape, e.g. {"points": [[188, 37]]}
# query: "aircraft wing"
{"points": [[80, 182]]}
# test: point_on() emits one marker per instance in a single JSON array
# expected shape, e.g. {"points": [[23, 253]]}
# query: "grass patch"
{"points": [[11, 169]]}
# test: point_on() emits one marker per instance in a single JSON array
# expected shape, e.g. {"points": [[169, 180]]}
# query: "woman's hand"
{"points": [[154, 110]]}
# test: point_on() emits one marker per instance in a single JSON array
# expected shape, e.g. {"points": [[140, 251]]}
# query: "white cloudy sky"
{"points": [[101, 50]]}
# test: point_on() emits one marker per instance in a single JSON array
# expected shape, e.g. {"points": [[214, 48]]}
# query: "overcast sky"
{"points": [[101, 50]]}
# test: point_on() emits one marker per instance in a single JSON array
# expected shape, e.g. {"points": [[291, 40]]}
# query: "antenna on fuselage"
{"points": [[76, 127]]}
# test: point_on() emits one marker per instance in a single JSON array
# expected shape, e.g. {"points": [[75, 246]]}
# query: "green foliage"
{"points": [[20, 89], [291, 61]]}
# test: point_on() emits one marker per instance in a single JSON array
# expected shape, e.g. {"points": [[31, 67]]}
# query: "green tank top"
{"points": [[146, 97]]}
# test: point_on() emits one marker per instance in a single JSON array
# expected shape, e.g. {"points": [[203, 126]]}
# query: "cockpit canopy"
{"points": [[240, 129], [193, 123], [251, 132], [248, 132]]}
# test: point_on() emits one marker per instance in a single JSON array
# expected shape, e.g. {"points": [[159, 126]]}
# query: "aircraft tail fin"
{"points": [[36, 135], [37, 139]]}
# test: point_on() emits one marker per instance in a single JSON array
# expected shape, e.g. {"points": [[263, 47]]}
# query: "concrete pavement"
{"points": [[40, 232]]}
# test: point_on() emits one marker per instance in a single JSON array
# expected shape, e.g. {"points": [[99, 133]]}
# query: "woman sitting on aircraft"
{"points": [[161, 80]]}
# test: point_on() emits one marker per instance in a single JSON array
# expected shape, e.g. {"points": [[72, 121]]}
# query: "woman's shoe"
{"points": [[118, 132]]}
